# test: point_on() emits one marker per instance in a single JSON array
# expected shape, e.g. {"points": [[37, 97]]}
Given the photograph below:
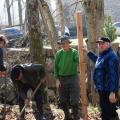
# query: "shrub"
{"points": [[108, 29]]}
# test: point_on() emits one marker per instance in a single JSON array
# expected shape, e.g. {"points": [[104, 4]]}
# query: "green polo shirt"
{"points": [[66, 63]]}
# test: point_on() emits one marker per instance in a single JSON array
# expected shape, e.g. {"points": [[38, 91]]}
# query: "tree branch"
{"points": [[67, 6]]}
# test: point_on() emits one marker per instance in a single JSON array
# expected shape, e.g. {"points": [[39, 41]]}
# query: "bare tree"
{"points": [[20, 13], [35, 36], [61, 15], [8, 6], [49, 24]]}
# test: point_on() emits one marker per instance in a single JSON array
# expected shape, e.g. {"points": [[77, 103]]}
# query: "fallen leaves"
{"points": [[52, 112]]}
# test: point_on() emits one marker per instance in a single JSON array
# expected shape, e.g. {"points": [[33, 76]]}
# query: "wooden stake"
{"points": [[81, 65]]}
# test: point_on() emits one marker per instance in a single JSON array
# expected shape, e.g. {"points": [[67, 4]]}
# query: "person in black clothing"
{"points": [[26, 77], [2, 45]]}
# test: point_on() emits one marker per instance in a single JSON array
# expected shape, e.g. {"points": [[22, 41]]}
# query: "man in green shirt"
{"points": [[66, 73]]}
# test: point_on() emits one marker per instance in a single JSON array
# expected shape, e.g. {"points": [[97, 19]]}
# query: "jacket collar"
{"points": [[106, 51]]}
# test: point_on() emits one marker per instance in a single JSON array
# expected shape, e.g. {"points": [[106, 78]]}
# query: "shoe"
{"points": [[22, 117], [115, 118], [75, 112], [68, 119], [42, 117]]}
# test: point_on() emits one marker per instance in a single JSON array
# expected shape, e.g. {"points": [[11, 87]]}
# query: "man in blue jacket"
{"points": [[106, 77]]}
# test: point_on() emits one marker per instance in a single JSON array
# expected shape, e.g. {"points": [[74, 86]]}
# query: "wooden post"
{"points": [[81, 66]]}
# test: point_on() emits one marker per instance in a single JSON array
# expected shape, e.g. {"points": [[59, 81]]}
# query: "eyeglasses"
{"points": [[101, 43]]}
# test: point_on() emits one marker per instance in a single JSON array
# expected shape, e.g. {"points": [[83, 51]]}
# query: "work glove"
{"points": [[3, 74]]}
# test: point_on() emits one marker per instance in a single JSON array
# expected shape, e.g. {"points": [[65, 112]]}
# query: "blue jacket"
{"points": [[105, 76]]}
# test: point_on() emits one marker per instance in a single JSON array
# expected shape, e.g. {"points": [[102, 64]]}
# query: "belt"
{"points": [[67, 76]]}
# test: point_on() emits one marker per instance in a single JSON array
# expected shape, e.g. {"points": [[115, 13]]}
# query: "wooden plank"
{"points": [[81, 65]]}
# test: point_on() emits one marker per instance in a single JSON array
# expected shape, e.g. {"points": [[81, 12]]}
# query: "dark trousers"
{"points": [[69, 95], [108, 110], [37, 97]]}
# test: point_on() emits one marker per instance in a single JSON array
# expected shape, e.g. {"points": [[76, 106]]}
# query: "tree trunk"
{"points": [[8, 12], [61, 16], [36, 45], [49, 24], [100, 17], [20, 13], [94, 11]]}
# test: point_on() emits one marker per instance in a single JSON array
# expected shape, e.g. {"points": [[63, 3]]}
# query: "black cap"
{"points": [[15, 72], [64, 38], [103, 39]]}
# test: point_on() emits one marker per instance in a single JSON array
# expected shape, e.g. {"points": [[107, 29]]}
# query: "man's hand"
{"points": [[85, 49], [58, 84], [3, 74], [112, 97], [27, 101]]}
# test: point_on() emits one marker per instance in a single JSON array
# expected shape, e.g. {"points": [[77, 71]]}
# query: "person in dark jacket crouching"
{"points": [[26, 77], [106, 77], [3, 41]]}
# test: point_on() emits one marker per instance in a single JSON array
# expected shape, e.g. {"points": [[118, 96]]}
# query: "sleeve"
{"points": [[2, 68], [56, 69], [113, 74], [76, 56], [92, 56], [41, 72]]}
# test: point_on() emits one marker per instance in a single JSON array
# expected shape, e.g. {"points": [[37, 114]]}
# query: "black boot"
{"points": [[65, 108], [75, 109], [115, 118], [41, 115], [66, 112]]}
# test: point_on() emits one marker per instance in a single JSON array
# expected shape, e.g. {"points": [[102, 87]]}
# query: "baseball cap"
{"points": [[63, 39], [103, 39], [15, 72]]}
